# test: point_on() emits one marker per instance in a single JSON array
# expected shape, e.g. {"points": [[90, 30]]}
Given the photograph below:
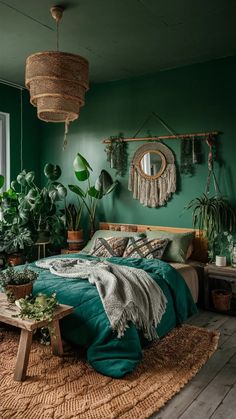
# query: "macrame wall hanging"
{"points": [[152, 177]]}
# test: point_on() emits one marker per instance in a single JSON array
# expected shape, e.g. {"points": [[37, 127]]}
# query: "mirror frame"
{"points": [[163, 164]]}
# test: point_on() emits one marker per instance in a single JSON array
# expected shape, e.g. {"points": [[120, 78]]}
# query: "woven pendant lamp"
{"points": [[57, 81]]}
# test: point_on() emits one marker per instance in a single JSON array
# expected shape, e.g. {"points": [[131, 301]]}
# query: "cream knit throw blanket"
{"points": [[127, 294]]}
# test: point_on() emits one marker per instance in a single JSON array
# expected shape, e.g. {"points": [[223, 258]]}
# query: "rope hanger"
{"points": [[173, 135]]}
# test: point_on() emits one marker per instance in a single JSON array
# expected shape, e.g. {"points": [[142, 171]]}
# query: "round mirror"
{"points": [[152, 164]]}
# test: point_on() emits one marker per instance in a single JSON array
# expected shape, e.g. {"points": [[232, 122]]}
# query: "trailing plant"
{"points": [[92, 193], [212, 215], [40, 307], [215, 218], [15, 277], [117, 156]]}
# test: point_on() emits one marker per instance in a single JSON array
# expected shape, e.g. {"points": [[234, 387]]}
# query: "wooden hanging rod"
{"points": [[166, 137]]}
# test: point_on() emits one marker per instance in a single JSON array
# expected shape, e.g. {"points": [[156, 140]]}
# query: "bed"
{"points": [[88, 325]]}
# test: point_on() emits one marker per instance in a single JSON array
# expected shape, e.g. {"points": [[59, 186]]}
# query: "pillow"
{"points": [[139, 247], [111, 246], [106, 234], [178, 247]]}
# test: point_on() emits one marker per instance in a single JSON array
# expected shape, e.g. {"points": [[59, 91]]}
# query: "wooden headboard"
{"points": [[199, 243]]}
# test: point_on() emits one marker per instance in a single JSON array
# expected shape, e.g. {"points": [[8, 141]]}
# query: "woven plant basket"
{"points": [[57, 82], [221, 299], [19, 291]]}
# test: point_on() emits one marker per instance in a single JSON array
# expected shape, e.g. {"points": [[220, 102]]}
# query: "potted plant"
{"points": [[93, 193], [37, 206], [15, 240], [221, 248], [15, 236], [74, 232], [213, 215], [17, 284]]}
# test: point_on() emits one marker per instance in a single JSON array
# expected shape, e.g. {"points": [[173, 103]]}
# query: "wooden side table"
{"points": [[27, 327], [217, 277]]}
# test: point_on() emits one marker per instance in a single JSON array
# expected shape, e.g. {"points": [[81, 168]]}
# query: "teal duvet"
{"points": [[88, 325]]}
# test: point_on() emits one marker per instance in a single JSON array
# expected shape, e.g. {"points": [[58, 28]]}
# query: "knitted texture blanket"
{"points": [[127, 294]]}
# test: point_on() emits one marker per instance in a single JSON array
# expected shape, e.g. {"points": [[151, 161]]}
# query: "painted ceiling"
{"points": [[120, 38]]}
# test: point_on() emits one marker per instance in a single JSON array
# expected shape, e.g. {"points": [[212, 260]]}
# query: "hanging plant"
{"points": [[213, 215], [116, 151]]}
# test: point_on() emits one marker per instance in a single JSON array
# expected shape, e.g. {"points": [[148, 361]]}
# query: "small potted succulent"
{"points": [[17, 284]]}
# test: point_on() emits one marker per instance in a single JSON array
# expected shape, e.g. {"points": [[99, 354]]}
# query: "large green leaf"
{"points": [[80, 163], [94, 193], [112, 187], [32, 195], [57, 191], [21, 178], [82, 175], [29, 177], [104, 183], [52, 171], [77, 190]]}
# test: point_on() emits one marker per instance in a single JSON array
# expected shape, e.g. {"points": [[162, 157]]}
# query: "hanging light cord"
{"points": [[21, 130], [65, 141]]}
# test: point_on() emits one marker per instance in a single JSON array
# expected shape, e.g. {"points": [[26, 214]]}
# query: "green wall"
{"points": [[190, 99], [10, 102]]}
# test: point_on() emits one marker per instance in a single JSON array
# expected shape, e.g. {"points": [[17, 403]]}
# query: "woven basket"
{"points": [[221, 299], [19, 291], [57, 82]]}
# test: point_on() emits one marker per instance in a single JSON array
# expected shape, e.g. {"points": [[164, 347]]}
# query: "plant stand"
{"points": [[27, 327], [41, 249]]}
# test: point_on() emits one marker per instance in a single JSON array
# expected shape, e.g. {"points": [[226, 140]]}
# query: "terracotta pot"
{"points": [[75, 239], [15, 292], [15, 259]]}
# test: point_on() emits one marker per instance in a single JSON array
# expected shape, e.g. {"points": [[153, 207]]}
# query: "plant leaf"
{"points": [[77, 190], [1, 181], [80, 163], [52, 171]]}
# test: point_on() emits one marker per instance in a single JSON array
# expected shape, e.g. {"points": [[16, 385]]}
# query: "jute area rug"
{"points": [[68, 388]]}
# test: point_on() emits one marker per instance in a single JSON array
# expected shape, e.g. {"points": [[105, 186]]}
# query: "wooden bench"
{"points": [[8, 310]]}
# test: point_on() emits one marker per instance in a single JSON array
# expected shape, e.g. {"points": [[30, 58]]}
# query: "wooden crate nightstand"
{"points": [[217, 277]]}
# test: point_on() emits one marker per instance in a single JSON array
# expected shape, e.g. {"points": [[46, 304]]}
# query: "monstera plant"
{"points": [[91, 195], [37, 207]]}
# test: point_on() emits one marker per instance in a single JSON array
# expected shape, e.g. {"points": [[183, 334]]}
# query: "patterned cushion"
{"points": [[111, 246], [145, 248], [107, 234]]}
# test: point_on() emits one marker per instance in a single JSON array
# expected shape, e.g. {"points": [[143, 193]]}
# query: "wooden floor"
{"points": [[212, 392]]}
